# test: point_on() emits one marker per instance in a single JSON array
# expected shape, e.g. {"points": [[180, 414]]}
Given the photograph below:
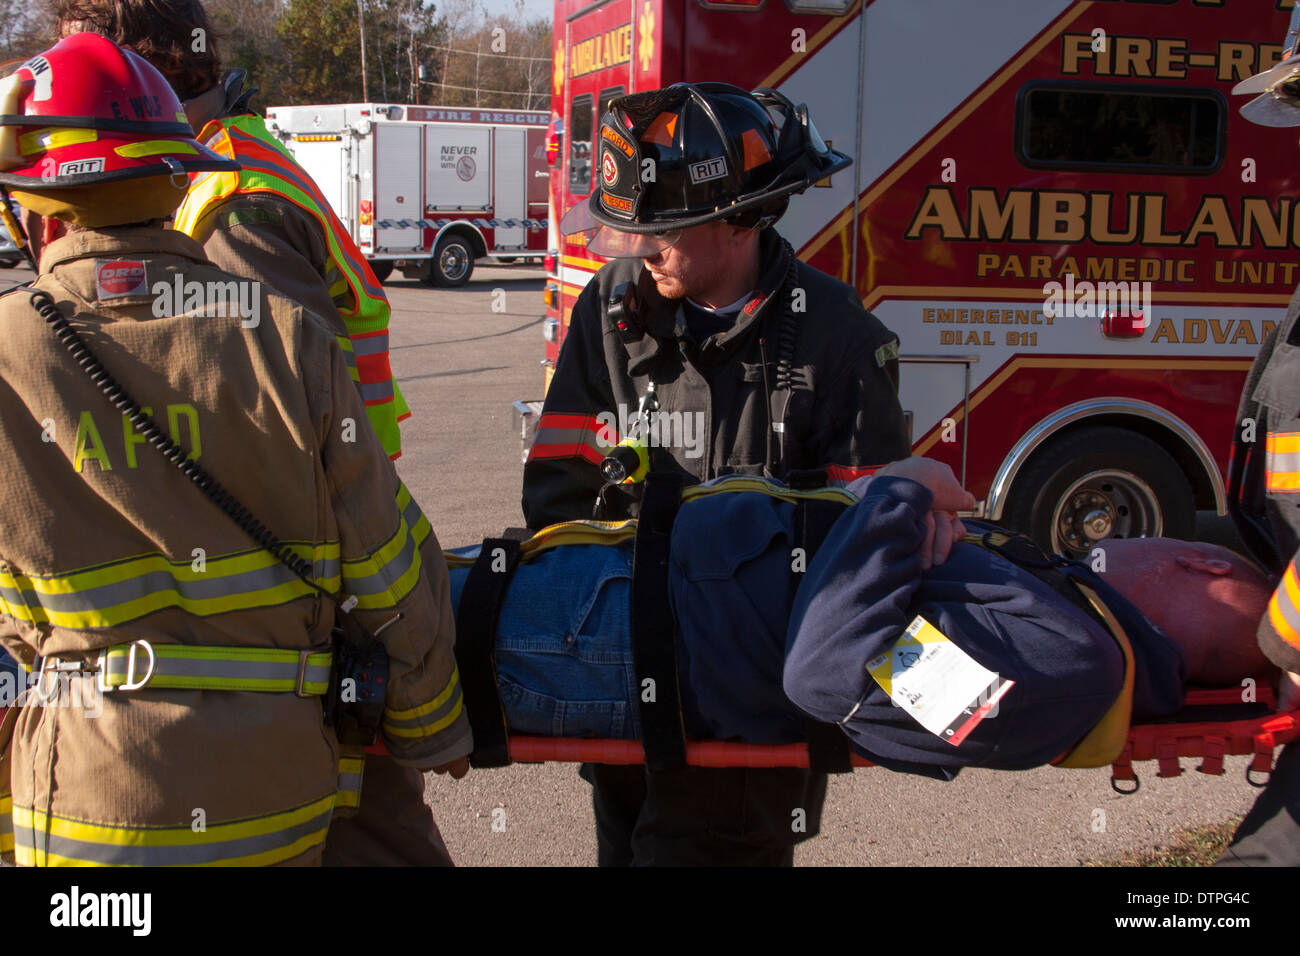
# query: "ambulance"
{"points": [[427, 189], [1054, 204]]}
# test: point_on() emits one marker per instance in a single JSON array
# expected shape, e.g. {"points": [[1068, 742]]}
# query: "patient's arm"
{"points": [[942, 526], [861, 584]]}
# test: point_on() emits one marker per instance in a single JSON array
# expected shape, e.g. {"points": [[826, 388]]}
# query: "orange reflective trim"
{"points": [[1280, 624], [1282, 480], [1291, 585], [1283, 443]]}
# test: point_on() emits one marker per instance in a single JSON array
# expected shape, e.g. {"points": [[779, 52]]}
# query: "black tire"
{"points": [[1100, 482], [382, 268], [9, 263], [506, 260], [453, 261]]}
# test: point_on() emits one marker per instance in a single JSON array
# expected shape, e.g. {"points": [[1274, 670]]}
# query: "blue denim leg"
{"points": [[564, 650], [12, 679]]}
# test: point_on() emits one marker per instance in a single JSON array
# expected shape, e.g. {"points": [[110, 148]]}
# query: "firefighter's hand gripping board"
{"points": [[941, 686]]}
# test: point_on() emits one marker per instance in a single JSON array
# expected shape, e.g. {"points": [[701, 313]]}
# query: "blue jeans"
{"points": [[12, 678], [564, 649]]}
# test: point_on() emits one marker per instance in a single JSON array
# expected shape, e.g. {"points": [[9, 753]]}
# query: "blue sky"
{"points": [[531, 7]]}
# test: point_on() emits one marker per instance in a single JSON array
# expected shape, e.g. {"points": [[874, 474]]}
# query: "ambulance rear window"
{"points": [[580, 145], [1106, 127]]}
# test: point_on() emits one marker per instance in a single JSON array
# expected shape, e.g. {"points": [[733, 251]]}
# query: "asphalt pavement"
{"points": [[460, 364]]}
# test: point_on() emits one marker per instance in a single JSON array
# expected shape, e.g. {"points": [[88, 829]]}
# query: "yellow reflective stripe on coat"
{"points": [[42, 839], [199, 667], [6, 823], [113, 594], [383, 578], [429, 718], [415, 519], [352, 768], [266, 166]]}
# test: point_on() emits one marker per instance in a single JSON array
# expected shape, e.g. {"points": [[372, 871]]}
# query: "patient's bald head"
{"points": [[1205, 597]]}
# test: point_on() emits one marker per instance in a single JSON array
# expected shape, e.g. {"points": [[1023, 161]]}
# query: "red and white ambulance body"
{"points": [[1011, 157], [426, 189]]}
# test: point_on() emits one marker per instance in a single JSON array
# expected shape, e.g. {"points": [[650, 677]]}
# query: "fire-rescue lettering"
{"points": [[1061, 216], [602, 51], [1163, 58], [89, 443]]}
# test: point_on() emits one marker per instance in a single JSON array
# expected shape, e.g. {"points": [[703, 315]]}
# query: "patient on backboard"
{"points": [[932, 653]]}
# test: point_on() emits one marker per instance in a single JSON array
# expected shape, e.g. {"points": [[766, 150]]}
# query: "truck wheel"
{"points": [[1096, 483], [382, 268], [452, 263]]}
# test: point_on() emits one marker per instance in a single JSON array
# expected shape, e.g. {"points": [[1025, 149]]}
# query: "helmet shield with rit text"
{"points": [[694, 153]]}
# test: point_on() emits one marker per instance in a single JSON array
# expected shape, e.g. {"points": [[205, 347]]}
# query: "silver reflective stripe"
{"points": [[163, 582], [415, 521], [411, 723], [383, 580], [1283, 463], [371, 344], [178, 666], [187, 854], [570, 436], [376, 391], [350, 782], [1282, 601]]}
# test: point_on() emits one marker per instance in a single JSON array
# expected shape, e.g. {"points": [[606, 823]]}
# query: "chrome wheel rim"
{"points": [[1109, 503], [453, 262]]}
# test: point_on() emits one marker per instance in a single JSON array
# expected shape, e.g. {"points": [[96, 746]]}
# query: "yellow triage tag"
{"points": [[941, 686]]}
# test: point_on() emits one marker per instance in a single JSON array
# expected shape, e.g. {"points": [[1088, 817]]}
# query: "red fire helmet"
{"points": [[87, 111]]}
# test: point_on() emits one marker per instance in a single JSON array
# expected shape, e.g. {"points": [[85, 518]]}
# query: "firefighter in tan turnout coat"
{"points": [[209, 744]]}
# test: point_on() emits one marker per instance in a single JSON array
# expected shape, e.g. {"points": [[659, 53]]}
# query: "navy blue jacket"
{"points": [[866, 585]]}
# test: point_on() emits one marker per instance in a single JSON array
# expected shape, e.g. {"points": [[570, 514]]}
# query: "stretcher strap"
{"points": [[476, 629], [654, 652], [828, 747]]}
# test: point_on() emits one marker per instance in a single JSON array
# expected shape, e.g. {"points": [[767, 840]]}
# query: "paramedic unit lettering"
{"points": [[426, 189], [1079, 244]]}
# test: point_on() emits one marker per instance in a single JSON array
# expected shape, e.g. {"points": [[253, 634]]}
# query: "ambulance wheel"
{"points": [[382, 268], [1097, 483], [452, 262]]}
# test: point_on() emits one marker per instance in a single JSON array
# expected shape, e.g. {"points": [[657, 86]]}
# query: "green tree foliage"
{"points": [[247, 37], [322, 50]]}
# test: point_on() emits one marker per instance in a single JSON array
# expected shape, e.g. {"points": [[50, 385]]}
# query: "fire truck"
{"points": [[1054, 204], [426, 189]]}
